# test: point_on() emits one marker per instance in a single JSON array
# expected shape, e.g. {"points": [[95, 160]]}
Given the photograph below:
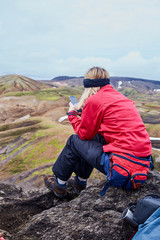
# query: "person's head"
{"points": [[94, 79], [96, 73]]}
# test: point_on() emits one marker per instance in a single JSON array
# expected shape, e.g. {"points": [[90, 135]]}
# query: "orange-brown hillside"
{"points": [[15, 83]]}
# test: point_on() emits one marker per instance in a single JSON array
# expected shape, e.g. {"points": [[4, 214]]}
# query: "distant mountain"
{"points": [[138, 84], [118, 82], [63, 78], [15, 83], [65, 81]]}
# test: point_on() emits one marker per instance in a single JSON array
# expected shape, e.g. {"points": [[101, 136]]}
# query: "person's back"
{"points": [[108, 129], [121, 124], [116, 118]]}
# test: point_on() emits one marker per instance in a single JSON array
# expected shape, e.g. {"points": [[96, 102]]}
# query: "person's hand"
{"points": [[71, 107]]}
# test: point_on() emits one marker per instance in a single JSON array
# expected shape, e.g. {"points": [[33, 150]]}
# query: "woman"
{"points": [[109, 123]]}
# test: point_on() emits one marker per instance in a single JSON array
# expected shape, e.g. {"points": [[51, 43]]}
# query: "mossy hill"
{"points": [[28, 148], [15, 83]]}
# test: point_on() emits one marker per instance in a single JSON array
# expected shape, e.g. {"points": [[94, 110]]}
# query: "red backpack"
{"points": [[125, 170]]}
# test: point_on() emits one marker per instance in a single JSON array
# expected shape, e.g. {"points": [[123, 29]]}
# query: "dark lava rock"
{"points": [[18, 206], [42, 216]]}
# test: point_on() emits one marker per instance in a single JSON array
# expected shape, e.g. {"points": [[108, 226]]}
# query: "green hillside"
{"points": [[29, 148], [12, 83]]}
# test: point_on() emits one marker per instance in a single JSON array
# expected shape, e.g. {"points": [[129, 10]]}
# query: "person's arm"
{"points": [[87, 126]]}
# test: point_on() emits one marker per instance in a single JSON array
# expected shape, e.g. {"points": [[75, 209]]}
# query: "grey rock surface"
{"points": [[40, 215]]}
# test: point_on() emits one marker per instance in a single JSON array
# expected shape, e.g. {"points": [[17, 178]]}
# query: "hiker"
{"points": [[109, 123]]}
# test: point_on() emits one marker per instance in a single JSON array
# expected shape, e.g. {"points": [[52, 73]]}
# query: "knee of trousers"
{"points": [[72, 139]]}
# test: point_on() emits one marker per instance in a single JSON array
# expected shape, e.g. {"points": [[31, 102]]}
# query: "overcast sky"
{"points": [[43, 39]]}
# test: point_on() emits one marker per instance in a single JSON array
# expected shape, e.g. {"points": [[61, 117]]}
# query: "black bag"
{"points": [[143, 209]]}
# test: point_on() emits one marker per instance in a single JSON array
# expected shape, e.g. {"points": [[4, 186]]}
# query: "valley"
{"points": [[31, 137]]}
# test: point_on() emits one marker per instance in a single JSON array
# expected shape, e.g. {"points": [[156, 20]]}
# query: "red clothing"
{"points": [[114, 116]]}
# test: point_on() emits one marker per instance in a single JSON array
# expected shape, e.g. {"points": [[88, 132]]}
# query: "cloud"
{"points": [[131, 65], [58, 37], [117, 16]]}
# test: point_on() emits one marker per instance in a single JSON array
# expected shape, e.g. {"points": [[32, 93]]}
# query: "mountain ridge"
{"points": [[62, 78], [139, 84], [13, 83]]}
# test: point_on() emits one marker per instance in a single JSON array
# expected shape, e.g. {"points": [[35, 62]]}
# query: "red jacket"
{"points": [[114, 116]]}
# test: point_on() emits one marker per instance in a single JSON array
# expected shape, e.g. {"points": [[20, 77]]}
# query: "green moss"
{"points": [[22, 124], [18, 132], [4, 127], [56, 143], [41, 133], [19, 94], [38, 149], [51, 94], [34, 155], [153, 129], [128, 92], [46, 124], [40, 94], [69, 91], [47, 96], [41, 162], [156, 164], [14, 151], [2, 88], [34, 159], [20, 164], [152, 105], [47, 171], [17, 165]]}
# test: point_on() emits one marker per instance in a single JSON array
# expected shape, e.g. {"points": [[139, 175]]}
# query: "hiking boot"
{"points": [[60, 190], [77, 185]]}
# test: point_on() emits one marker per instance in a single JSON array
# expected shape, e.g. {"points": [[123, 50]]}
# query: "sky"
{"points": [[43, 39]]}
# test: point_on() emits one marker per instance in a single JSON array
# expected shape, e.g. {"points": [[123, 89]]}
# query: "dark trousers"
{"points": [[79, 156]]}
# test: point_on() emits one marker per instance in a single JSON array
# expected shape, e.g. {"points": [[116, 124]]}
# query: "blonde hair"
{"points": [[93, 73]]}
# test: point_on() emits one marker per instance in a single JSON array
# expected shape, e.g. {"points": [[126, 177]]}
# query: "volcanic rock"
{"points": [[40, 215]]}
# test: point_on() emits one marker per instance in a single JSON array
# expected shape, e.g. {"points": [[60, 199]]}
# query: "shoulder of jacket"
{"points": [[93, 99], [95, 102]]}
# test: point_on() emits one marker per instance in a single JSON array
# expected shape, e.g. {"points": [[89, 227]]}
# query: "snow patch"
{"points": [[120, 84]]}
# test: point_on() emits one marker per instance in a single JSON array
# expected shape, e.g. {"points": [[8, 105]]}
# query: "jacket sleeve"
{"points": [[86, 127]]}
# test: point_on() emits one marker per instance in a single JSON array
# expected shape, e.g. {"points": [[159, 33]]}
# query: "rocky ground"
{"points": [[30, 141], [40, 215]]}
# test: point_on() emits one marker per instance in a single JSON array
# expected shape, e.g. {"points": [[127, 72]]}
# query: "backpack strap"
{"points": [[151, 163], [108, 184], [104, 159]]}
